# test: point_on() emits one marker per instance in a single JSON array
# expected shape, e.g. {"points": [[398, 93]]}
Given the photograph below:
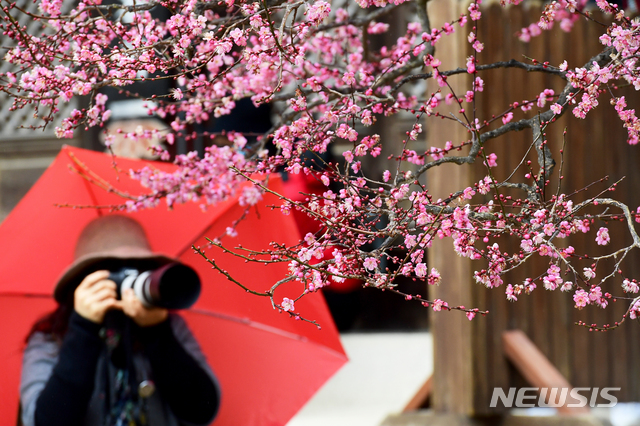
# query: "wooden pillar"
{"points": [[453, 359]]}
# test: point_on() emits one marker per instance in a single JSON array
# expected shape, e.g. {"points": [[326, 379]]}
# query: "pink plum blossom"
{"points": [[602, 237], [421, 270], [630, 286], [287, 305], [370, 263], [581, 299], [491, 160]]}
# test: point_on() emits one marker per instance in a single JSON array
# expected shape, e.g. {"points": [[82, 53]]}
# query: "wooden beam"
{"points": [[536, 368], [420, 396]]}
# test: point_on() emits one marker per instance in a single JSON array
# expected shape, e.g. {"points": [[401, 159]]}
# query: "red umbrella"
{"points": [[268, 364]]}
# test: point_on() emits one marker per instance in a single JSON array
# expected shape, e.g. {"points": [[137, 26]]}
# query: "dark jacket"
{"points": [[65, 383]]}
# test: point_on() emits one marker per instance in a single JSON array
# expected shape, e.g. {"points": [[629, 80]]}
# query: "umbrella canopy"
{"points": [[268, 364]]}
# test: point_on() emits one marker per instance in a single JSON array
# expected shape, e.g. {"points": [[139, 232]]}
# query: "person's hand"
{"points": [[143, 316], [95, 296]]}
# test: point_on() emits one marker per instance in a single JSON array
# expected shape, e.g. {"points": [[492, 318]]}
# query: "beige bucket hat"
{"points": [[108, 242]]}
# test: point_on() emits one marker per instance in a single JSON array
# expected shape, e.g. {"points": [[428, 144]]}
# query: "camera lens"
{"points": [[173, 286]]}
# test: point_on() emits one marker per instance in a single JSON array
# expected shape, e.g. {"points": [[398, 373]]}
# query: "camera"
{"points": [[172, 286]]}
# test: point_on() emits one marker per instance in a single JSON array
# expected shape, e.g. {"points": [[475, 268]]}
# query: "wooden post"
{"points": [[453, 359]]}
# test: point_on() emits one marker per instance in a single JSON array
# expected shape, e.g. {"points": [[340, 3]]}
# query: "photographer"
{"points": [[100, 359]]}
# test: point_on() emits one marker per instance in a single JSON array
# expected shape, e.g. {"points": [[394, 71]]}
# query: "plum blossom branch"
{"points": [[329, 73]]}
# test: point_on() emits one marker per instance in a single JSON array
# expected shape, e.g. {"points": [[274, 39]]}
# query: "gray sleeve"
{"points": [[38, 361]]}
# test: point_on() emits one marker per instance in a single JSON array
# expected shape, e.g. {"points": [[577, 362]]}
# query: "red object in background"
{"points": [[296, 188], [346, 286], [268, 364]]}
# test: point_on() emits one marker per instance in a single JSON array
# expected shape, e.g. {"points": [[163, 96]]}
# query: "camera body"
{"points": [[172, 286]]}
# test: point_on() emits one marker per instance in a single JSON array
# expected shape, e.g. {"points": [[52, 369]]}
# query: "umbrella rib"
{"points": [[87, 184], [93, 197], [251, 323], [266, 328], [21, 294], [201, 234]]}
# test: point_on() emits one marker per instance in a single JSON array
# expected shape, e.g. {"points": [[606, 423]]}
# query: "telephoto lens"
{"points": [[173, 286]]}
